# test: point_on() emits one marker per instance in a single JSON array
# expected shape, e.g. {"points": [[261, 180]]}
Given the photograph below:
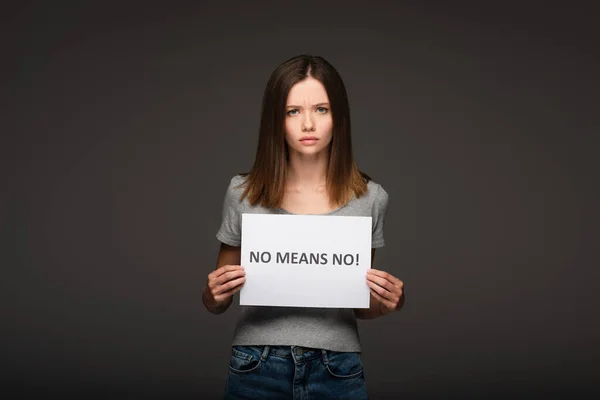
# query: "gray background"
{"points": [[126, 121]]}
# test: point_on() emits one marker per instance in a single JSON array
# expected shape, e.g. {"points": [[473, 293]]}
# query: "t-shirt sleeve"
{"points": [[378, 214], [231, 220]]}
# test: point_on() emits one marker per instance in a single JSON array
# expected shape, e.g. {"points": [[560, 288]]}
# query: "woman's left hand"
{"points": [[386, 288]]}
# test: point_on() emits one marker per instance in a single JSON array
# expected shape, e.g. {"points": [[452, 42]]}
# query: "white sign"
{"points": [[306, 260]]}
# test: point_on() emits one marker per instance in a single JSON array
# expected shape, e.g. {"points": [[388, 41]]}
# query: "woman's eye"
{"points": [[292, 112], [322, 110]]}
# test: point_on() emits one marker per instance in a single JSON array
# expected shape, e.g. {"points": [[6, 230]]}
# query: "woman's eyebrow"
{"points": [[314, 105]]}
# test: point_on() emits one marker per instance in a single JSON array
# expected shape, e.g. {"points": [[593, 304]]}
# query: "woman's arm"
{"points": [[373, 310], [377, 308], [221, 284]]}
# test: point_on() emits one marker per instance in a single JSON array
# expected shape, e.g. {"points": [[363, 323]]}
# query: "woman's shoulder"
{"points": [[370, 202], [236, 183], [376, 192], [235, 189]]}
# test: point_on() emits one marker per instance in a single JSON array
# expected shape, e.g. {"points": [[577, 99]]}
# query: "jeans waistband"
{"points": [[295, 352]]}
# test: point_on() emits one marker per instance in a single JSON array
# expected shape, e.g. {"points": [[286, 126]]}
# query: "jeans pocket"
{"points": [[245, 359], [343, 365]]}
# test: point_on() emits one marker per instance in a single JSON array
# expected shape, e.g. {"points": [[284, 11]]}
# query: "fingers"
{"points": [[384, 283], [229, 293], [230, 274], [224, 269], [388, 304], [228, 286], [386, 288], [385, 275], [391, 298], [224, 282]]}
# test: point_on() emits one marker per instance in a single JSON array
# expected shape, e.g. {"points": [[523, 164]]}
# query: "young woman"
{"points": [[304, 165]]}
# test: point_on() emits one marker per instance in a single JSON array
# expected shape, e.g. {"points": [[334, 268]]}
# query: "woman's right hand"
{"points": [[222, 284]]}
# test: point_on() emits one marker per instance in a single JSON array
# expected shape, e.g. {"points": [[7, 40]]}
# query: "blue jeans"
{"points": [[293, 372]]}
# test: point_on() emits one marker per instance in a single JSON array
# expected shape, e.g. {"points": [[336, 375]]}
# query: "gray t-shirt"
{"points": [[322, 328]]}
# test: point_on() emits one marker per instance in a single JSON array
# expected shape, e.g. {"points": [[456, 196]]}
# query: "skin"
{"points": [[308, 114]]}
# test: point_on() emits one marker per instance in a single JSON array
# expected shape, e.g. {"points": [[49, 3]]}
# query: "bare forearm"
{"points": [[216, 309]]}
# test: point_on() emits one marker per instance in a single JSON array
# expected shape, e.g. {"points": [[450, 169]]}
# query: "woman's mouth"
{"points": [[309, 140]]}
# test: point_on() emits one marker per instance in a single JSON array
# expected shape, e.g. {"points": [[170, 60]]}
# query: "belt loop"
{"points": [[325, 359], [265, 353]]}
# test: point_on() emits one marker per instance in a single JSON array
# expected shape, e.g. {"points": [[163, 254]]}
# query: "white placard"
{"points": [[306, 260]]}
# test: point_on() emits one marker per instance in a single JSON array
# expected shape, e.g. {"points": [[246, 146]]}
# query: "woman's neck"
{"points": [[307, 172]]}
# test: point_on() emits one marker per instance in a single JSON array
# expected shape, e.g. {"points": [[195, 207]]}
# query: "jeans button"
{"points": [[299, 352]]}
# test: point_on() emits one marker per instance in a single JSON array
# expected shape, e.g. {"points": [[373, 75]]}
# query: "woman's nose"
{"points": [[308, 123]]}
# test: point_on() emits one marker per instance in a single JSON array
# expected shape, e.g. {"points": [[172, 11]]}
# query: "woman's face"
{"points": [[308, 120]]}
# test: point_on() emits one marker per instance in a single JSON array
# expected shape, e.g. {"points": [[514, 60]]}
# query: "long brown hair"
{"points": [[265, 183]]}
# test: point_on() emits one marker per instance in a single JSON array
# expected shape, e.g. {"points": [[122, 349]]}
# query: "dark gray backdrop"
{"points": [[124, 122]]}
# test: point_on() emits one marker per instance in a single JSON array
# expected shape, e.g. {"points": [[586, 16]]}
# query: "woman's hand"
{"points": [[386, 288], [222, 284]]}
